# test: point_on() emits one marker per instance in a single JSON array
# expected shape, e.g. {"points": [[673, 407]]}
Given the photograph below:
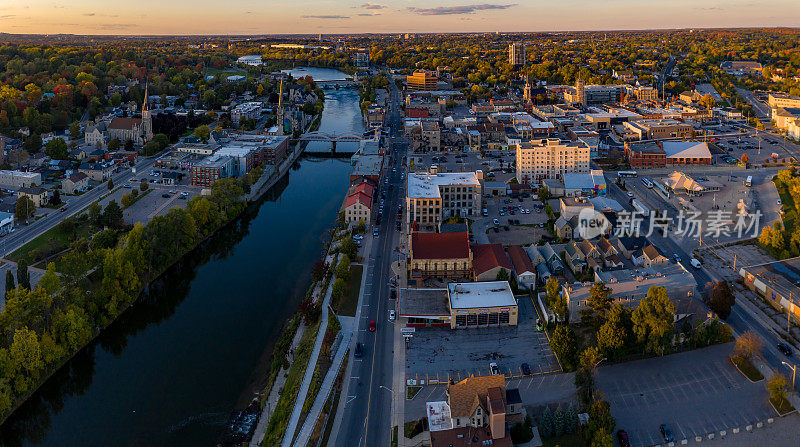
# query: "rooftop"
{"points": [[439, 245], [439, 416], [470, 295], [686, 149], [425, 185], [489, 256], [423, 302]]}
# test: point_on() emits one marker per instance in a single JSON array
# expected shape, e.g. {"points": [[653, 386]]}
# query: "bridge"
{"points": [[343, 83], [332, 137]]}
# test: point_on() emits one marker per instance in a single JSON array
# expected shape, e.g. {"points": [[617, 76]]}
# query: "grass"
{"points": [[50, 242], [746, 367], [570, 440], [782, 406], [349, 305], [412, 391], [394, 436], [413, 428], [283, 409]]}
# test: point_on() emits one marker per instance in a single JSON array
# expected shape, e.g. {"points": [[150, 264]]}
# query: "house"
{"points": [[590, 254], [479, 402], [97, 171], [574, 258], [649, 256], [628, 245], [358, 205], [488, 261], [524, 270], [552, 259], [441, 255], [37, 194], [76, 182], [563, 228]]}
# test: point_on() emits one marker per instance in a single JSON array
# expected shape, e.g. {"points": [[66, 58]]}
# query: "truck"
{"points": [[749, 181], [640, 207]]}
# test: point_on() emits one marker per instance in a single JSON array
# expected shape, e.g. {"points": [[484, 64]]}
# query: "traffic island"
{"points": [[746, 368]]}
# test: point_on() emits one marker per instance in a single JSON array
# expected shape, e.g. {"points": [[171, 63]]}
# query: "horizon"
{"points": [[249, 18]]}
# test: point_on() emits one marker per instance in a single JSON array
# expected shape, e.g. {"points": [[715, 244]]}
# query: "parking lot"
{"points": [[440, 353], [693, 393], [514, 226]]}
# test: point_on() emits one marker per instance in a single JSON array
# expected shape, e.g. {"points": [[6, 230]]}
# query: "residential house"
{"points": [[37, 194], [563, 228], [524, 270], [76, 182], [488, 261], [479, 402], [551, 258], [649, 256], [574, 258], [98, 172], [628, 245]]}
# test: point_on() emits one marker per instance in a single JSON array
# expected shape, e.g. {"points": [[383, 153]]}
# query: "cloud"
{"points": [[115, 26], [325, 17], [8, 16], [710, 8], [369, 14], [88, 14], [373, 6], [453, 10]]}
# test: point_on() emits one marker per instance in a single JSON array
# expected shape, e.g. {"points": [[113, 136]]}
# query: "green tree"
{"points": [[202, 132], [95, 214], [129, 145], [653, 320], [151, 148], [343, 268], [544, 194], [56, 149], [71, 327], [348, 246], [114, 145], [75, 130], [602, 438], [339, 289], [600, 299], [502, 275], [564, 345], [144, 185], [721, 299], [546, 423], [23, 277], [24, 209], [10, 284], [615, 332], [162, 140], [26, 355], [110, 184], [112, 215], [33, 144], [50, 281], [600, 418]]}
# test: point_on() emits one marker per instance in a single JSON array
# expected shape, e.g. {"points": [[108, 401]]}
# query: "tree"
{"points": [[56, 149], [339, 289], [112, 215], [777, 386], [348, 246], [129, 145], [151, 148], [564, 345], [55, 199], [745, 159], [319, 270], [162, 140], [653, 320], [50, 281], [748, 345], [615, 331], [599, 302], [202, 132], [591, 357], [144, 185], [721, 299], [113, 145], [110, 184], [33, 143], [502, 275], [10, 284], [343, 268], [600, 418], [95, 214], [707, 101], [24, 209], [544, 194], [559, 422], [546, 422], [571, 418], [602, 438]]}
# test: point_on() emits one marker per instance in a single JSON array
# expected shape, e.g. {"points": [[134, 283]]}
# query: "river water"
{"points": [[171, 369]]}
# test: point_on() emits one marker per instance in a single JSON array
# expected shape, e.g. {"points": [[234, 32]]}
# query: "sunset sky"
{"points": [[332, 16]]}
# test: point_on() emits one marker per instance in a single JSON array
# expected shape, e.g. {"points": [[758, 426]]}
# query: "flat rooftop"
{"points": [[439, 416], [19, 173], [423, 302], [426, 185], [636, 282], [469, 295], [783, 277]]}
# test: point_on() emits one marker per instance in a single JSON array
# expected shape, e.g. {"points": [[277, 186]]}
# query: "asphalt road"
{"points": [[22, 235], [367, 414]]}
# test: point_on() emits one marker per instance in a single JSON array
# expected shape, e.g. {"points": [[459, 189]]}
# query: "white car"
{"points": [[630, 194], [391, 315], [494, 369]]}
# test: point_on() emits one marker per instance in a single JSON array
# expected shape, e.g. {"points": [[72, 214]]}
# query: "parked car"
{"points": [[391, 315], [359, 352], [494, 369], [496, 221], [622, 437], [785, 349], [372, 325], [166, 196], [526, 369], [666, 433]]}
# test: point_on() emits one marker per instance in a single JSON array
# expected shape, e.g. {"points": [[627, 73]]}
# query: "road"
{"points": [[25, 234], [762, 110], [367, 414]]}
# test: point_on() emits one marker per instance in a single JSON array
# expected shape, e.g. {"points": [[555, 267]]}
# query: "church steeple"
{"points": [[144, 103]]}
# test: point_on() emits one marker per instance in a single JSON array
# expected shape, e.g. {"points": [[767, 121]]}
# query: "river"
{"points": [[171, 369]]}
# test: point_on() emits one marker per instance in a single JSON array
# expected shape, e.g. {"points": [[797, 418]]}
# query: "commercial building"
{"points": [[6, 223], [687, 152], [367, 167], [422, 80], [643, 93], [426, 137], [246, 158], [593, 94], [739, 68], [211, 169], [647, 154], [550, 158], [482, 304], [19, 179], [660, 129], [630, 286], [432, 198], [778, 282], [516, 54], [592, 183], [440, 255], [252, 60], [777, 99], [98, 172], [75, 183]]}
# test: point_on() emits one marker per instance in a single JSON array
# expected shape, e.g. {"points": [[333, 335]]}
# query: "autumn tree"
{"points": [[721, 299], [653, 320], [748, 345], [50, 281]]}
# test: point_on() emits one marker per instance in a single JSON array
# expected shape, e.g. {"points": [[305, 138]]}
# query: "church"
{"points": [[139, 130]]}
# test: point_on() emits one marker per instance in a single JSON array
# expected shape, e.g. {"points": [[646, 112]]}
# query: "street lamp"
{"points": [[599, 362], [794, 372]]}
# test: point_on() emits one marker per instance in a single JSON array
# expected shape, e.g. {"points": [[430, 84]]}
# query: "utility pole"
{"points": [[794, 372]]}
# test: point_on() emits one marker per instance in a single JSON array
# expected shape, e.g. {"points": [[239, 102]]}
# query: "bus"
{"points": [[627, 173], [641, 208], [647, 182], [749, 181]]}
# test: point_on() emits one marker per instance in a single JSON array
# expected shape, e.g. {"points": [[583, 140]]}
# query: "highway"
{"points": [[75, 205], [367, 413]]}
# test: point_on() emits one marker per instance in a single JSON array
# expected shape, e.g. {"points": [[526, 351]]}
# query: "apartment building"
{"points": [[516, 54], [422, 80], [248, 110], [660, 129], [550, 158], [776, 99], [593, 94], [433, 198], [211, 169], [643, 93], [20, 179], [427, 137]]}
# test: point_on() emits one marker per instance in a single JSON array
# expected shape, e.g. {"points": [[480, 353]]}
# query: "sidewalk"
{"points": [[309, 374]]}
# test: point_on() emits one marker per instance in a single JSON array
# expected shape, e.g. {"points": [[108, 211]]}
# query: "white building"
{"points": [[550, 158], [20, 179], [434, 197], [247, 110], [253, 60]]}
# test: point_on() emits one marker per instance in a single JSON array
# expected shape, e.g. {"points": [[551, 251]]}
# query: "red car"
{"points": [[372, 325]]}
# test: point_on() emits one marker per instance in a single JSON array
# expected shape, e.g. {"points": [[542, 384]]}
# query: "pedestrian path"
{"points": [[325, 390]]}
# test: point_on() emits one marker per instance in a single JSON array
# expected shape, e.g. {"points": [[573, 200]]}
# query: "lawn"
{"points": [[788, 204], [783, 407], [412, 391], [50, 242], [747, 368], [350, 303]]}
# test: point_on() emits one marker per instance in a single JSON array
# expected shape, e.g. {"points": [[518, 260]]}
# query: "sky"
{"points": [[237, 17]]}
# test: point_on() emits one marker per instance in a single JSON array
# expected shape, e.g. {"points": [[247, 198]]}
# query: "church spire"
{"points": [[144, 104]]}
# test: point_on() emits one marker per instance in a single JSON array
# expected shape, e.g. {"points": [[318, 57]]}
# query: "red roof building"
{"points": [[524, 270], [442, 255], [488, 260], [358, 205]]}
